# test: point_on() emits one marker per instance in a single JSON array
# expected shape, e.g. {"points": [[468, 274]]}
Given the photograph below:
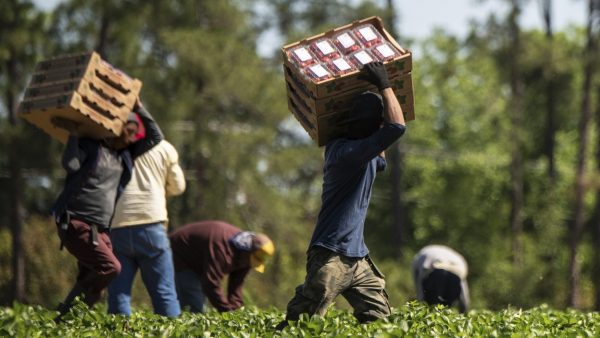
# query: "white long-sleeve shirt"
{"points": [[156, 176], [441, 257]]}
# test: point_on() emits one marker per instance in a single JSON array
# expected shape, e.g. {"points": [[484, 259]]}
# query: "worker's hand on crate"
{"points": [[376, 74], [66, 124]]}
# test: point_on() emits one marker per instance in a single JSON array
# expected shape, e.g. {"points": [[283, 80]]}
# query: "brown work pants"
{"points": [[97, 264], [330, 274]]}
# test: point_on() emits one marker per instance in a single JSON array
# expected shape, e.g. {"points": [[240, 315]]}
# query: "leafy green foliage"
{"points": [[248, 162], [412, 319]]}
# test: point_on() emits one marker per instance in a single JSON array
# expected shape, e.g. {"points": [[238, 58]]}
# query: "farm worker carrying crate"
{"points": [[338, 259], [97, 172]]}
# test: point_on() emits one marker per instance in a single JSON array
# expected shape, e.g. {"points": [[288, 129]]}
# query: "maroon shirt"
{"points": [[204, 248]]}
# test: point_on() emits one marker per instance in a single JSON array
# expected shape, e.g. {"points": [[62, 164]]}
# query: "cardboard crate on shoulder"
{"points": [[325, 127], [319, 106], [83, 88], [401, 85]]}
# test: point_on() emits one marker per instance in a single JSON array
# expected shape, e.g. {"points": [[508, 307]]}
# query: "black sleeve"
{"points": [[357, 152], [153, 134], [75, 153]]}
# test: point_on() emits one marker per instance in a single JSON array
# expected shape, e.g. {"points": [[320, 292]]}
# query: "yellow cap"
{"points": [[260, 255]]}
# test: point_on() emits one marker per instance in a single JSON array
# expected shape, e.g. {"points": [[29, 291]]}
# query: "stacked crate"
{"points": [[83, 88], [319, 101]]}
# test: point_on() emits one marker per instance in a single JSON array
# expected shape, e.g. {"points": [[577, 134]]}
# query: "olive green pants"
{"points": [[330, 274]]}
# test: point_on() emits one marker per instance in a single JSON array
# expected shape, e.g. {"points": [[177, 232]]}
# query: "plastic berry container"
{"points": [[317, 73], [301, 56], [324, 50], [361, 58], [385, 52], [368, 35], [346, 42], [340, 66]]}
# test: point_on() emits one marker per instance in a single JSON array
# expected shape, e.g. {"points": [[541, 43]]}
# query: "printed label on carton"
{"points": [[319, 71], [385, 50], [341, 64], [325, 47], [345, 40], [302, 54], [368, 33], [363, 57]]}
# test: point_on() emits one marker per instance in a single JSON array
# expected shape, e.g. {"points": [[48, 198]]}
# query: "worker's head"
{"points": [[262, 249], [365, 117], [441, 287], [129, 133]]}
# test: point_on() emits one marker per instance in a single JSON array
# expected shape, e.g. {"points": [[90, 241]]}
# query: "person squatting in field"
{"points": [[440, 276], [139, 230], [204, 252], [97, 172], [338, 260]]}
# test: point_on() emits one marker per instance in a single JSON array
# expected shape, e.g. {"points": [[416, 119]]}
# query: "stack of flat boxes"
{"points": [[320, 106], [83, 88]]}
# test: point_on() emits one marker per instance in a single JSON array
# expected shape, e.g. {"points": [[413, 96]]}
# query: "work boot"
{"points": [[284, 323], [66, 305]]}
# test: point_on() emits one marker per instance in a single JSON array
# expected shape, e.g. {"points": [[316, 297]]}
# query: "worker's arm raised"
{"points": [[376, 74]]}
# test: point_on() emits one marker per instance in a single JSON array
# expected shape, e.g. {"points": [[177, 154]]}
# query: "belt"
{"points": [[94, 230], [63, 225]]}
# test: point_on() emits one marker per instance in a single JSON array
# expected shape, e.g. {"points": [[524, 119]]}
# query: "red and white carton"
{"points": [[361, 58], [368, 35], [346, 42], [340, 66], [302, 57], [324, 50], [385, 52], [317, 73], [319, 98]]}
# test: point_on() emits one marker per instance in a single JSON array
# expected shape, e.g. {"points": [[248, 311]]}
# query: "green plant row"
{"points": [[412, 319]]}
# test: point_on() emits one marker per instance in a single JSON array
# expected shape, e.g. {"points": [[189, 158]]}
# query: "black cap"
{"points": [[365, 116], [441, 287]]}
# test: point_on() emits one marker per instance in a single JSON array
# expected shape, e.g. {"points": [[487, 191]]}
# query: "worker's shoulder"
{"points": [[165, 148], [438, 250]]}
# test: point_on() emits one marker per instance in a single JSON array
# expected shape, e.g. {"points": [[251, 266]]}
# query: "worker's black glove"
{"points": [[376, 74]]}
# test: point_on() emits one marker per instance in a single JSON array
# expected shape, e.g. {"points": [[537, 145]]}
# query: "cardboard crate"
{"points": [[401, 85], [319, 106], [93, 122], [309, 126], [93, 73], [81, 87], [341, 84], [322, 128], [69, 61], [92, 98], [336, 85], [73, 66]]}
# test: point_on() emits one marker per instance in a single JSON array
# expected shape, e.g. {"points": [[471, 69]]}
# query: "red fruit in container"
{"points": [[301, 56], [324, 50], [317, 73], [368, 35], [385, 52], [359, 59], [340, 66], [346, 42]]}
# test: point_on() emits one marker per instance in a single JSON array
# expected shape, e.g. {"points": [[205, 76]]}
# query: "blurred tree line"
{"points": [[501, 164]]}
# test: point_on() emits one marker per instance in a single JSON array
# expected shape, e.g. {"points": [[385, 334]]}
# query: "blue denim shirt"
{"points": [[348, 175]]}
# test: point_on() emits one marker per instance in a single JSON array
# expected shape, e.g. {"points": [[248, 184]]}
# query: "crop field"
{"points": [[411, 319]]}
